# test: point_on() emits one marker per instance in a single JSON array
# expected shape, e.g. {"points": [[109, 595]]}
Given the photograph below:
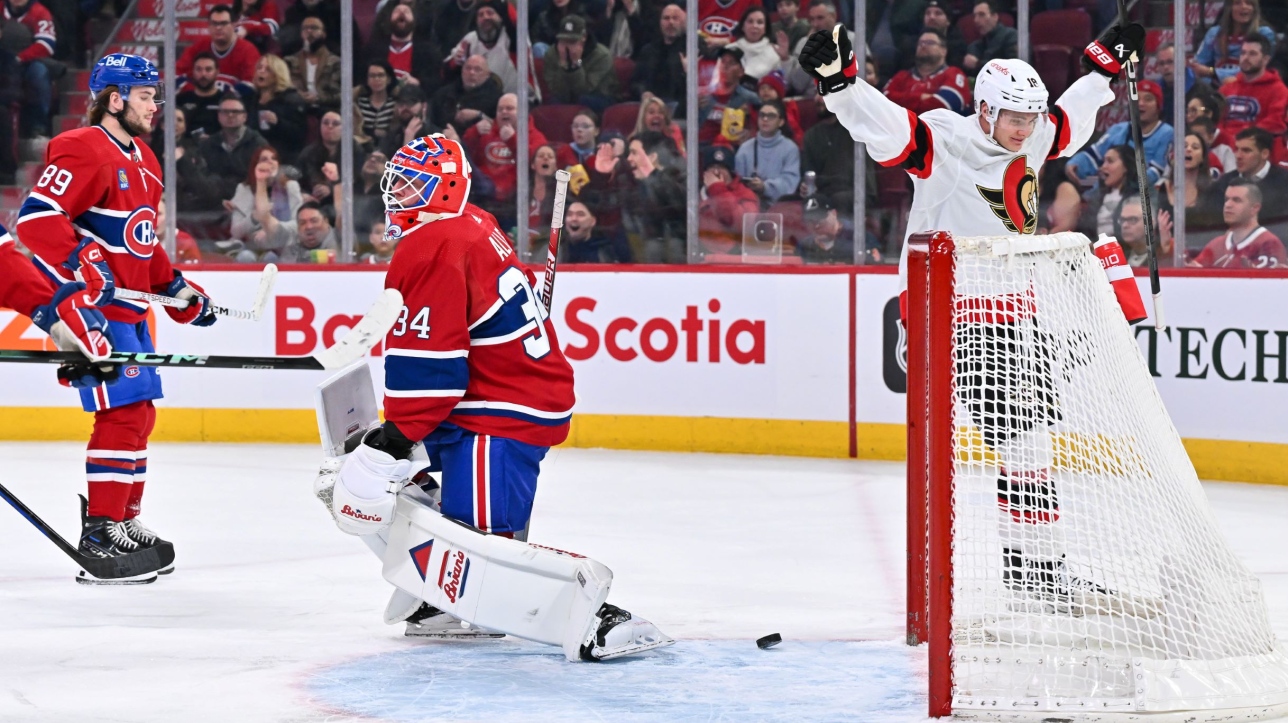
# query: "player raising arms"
{"points": [[978, 176], [91, 218], [474, 372]]}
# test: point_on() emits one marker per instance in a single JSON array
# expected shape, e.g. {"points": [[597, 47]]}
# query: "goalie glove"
{"points": [[1114, 262], [198, 311], [828, 57], [1108, 53]]}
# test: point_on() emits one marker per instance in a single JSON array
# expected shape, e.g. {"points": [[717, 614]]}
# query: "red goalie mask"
{"points": [[428, 179]]}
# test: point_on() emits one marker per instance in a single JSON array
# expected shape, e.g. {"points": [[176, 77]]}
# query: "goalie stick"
{"points": [[361, 338], [1132, 68], [254, 314], [556, 226], [104, 568]]}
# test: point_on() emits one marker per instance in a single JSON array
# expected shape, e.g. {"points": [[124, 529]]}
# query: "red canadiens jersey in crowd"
{"points": [[1260, 250], [474, 345], [261, 21], [493, 156], [41, 25], [94, 190], [946, 88], [22, 287], [237, 65], [1261, 102], [717, 18]]}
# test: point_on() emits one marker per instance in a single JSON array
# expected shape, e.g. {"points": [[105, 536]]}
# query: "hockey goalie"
{"points": [[476, 388]]}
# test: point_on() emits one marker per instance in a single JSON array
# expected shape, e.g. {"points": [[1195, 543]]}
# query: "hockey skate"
{"points": [[146, 538], [619, 634], [430, 622], [102, 537], [1047, 587]]}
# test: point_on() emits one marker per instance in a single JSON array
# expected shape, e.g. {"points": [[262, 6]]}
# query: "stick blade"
{"points": [[367, 333], [265, 291]]}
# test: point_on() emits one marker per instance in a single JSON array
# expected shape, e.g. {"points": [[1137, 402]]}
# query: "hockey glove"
{"points": [[1114, 262], [829, 59], [198, 311], [75, 325], [365, 491], [1107, 54], [94, 272]]}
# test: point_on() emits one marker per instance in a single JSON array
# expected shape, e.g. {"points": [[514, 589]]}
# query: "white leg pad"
{"points": [[536, 593]]}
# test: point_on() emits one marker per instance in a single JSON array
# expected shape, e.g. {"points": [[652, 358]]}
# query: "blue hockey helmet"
{"points": [[124, 71]]}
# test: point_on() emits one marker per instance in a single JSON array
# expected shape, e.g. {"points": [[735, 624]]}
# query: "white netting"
{"points": [[1089, 573]]}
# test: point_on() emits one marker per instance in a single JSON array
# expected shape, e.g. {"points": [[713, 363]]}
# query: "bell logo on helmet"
{"points": [[115, 61]]}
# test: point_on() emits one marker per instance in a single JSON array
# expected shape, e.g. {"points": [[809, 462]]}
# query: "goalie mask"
{"points": [[1009, 84], [428, 179]]}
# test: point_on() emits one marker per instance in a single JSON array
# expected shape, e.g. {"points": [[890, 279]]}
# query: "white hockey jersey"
{"points": [[964, 182]]}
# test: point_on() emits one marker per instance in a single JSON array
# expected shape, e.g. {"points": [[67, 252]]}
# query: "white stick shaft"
{"points": [[556, 225], [1159, 322], [262, 296]]}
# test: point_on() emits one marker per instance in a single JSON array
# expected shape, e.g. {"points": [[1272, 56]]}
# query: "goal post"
{"points": [[1062, 557]]}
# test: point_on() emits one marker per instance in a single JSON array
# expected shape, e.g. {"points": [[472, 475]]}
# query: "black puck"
{"points": [[769, 641]]}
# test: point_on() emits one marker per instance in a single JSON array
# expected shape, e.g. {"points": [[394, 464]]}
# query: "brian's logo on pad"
{"points": [[348, 511], [420, 557], [1016, 202], [452, 574]]}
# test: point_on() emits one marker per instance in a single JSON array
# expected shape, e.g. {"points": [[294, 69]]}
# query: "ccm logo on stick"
{"points": [[658, 339]]}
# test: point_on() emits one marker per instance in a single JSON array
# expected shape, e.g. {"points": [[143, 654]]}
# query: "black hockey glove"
{"points": [[87, 374], [829, 59], [388, 439], [1107, 54]]}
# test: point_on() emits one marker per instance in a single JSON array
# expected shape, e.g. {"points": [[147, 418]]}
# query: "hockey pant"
{"points": [[488, 482]]}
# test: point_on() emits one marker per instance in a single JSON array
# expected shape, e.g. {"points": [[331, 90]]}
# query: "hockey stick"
{"points": [[104, 568], [355, 345], [256, 311], [556, 226], [1142, 173]]}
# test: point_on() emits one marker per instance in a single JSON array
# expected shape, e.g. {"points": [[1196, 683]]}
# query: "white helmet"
{"points": [[1011, 85]]}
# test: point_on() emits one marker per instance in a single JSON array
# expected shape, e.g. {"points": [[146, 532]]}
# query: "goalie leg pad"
{"points": [[536, 593]]}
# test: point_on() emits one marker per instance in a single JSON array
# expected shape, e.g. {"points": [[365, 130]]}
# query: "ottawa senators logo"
{"points": [[1016, 202]]}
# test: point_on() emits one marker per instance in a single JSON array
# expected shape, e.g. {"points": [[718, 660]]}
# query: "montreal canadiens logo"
{"points": [[718, 27], [131, 372], [140, 232]]}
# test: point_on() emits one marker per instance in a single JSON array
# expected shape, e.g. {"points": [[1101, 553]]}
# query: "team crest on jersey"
{"points": [[122, 180], [1016, 202], [140, 232]]}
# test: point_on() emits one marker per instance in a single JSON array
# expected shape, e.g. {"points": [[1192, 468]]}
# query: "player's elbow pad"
{"points": [[1114, 262]]}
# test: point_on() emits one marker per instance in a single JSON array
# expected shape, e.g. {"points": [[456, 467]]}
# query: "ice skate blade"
{"points": [[638, 647], [416, 631], [166, 570], [85, 578]]}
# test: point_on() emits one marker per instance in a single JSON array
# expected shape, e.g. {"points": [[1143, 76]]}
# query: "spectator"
{"points": [[328, 11], [1131, 232], [11, 95], [541, 200], [579, 70], [995, 39], [1252, 150], [724, 201], [654, 116], [718, 18], [1155, 134], [772, 87], [829, 239], [412, 63], [932, 83], [546, 24], [409, 120], [727, 113], [1165, 69], [585, 135], [1256, 96], [367, 201], [258, 23], [1098, 210], [34, 45], [265, 194], [770, 163], [618, 29], [1202, 201], [326, 150], [788, 22], [309, 239], [492, 146], [468, 99], [893, 28], [374, 102], [278, 108], [452, 21], [822, 16], [228, 153], [237, 56], [186, 250], [586, 243], [493, 38], [1219, 56], [828, 151], [198, 193], [1245, 244], [660, 67], [315, 70], [382, 245], [1220, 152], [201, 96], [657, 203], [1203, 103], [760, 56], [936, 18]]}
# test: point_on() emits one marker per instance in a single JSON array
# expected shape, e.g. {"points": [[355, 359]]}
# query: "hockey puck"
{"points": [[769, 641]]}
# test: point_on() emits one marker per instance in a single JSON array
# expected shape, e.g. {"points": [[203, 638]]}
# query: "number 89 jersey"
{"points": [[473, 345], [95, 190]]}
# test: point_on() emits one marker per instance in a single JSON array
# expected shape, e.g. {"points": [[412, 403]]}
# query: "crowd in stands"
{"points": [[260, 138]]}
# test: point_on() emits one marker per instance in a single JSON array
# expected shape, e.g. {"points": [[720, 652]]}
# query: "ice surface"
{"points": [[274, 615]]}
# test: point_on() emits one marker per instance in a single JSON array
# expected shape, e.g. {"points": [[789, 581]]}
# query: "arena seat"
{"points": [[621, 118], [555, 121]]}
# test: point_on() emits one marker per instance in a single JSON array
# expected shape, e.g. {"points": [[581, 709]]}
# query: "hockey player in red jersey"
{"points": [[473, 371], [92, 218]]}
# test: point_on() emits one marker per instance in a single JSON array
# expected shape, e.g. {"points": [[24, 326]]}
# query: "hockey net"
{"points": [[1063, 557]]}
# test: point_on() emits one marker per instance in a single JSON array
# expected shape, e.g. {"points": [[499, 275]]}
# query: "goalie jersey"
{"points": [[963, 181], [95, 190], [473, 345]]}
